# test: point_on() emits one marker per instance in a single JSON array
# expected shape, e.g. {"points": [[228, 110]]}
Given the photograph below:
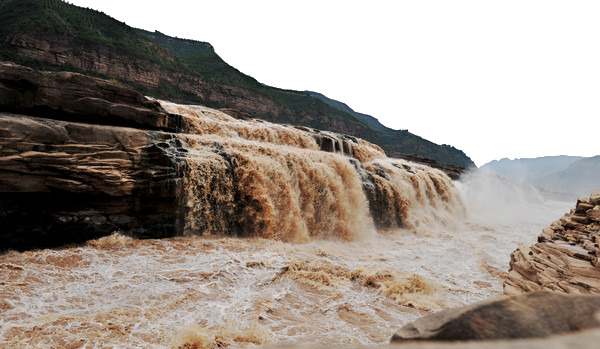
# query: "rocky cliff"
{"points": [[54, 35], [73, 169], [566, 257]]}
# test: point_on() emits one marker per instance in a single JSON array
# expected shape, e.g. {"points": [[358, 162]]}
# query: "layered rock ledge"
{"points": [[71, 166], [566, 256]]}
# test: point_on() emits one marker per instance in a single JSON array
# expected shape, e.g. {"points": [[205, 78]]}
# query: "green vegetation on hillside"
{"points": [[200, 58], [89, 29]]}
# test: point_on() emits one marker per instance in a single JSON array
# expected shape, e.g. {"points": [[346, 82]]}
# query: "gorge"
{"points": [[151, 195], [269, 233]]}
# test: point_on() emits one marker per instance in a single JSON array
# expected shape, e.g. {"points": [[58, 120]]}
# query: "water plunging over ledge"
{"points": [[285, 243]]}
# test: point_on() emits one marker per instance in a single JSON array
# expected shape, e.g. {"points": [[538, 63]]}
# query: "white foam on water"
{"points": [[345, 283]]}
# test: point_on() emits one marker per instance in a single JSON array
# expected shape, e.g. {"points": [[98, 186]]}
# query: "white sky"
{"points": [[495, 79]]}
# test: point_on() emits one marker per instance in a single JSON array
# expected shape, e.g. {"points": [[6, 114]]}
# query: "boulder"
{"points": [[537, 314], [594, 214]]}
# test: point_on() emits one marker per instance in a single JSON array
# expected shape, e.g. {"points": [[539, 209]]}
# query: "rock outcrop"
{"points": [[72, 96], [566, 256], [64, 181], [538, 314], [452, 171], [583, 340]]}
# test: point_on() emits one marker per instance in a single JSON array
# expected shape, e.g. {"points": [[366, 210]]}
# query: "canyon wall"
{"points": [[66, 181]]}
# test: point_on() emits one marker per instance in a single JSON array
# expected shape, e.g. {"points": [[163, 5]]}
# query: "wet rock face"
{"points": [[538, 314], [73, 172], [69, 182], [566, 257]]}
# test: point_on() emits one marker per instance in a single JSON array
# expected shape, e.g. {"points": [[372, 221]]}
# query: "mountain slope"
{"points": [[402, 141], [367, 119], [54, 35]]}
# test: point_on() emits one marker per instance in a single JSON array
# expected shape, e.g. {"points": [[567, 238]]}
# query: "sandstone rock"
{"points": [[452, 171], [238, 114], [580, 219], [537, 314], [73, 169], [72, 96], [594, 214], [65, 182], [584, 339], [565, 259]]}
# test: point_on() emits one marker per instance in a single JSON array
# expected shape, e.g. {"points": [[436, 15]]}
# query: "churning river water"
{"points": [[312, 266]]}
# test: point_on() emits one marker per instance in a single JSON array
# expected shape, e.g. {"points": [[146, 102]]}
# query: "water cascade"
{"points": [[295, 184], [290, 236]]}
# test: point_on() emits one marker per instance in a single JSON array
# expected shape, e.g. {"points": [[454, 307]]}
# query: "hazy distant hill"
{"points": [[54, 35], [569, 174], [529, 168], [581, 177]]}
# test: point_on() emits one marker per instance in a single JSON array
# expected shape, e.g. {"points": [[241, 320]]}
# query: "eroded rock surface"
{"points": [[68, 182], [538, 314], [71, 169], [72, 96], [566, 257]]}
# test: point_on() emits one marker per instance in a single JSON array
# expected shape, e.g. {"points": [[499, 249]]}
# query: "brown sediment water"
{"points": [[285, 244], [254, 178], [120, 292]]}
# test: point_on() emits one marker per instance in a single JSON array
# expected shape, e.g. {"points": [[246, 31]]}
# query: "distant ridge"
{"points": [[55, 35], [529, 168], [575, 175]]}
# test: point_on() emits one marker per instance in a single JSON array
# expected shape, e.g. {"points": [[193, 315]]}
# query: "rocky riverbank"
{"points": [[553, 287], [566, 257]]}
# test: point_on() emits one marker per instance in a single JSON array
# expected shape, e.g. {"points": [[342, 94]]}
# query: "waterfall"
{"points": [[296, 184]]}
